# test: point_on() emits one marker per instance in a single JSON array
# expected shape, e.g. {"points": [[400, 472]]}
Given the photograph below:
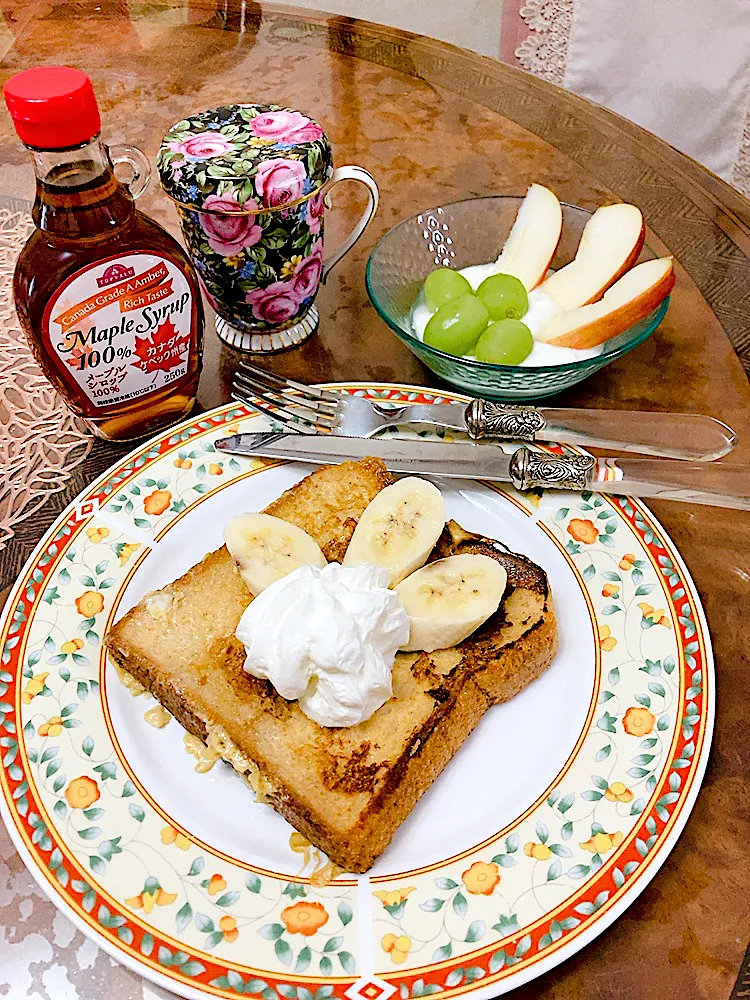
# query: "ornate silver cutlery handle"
{"points": [[718, 485], [690, 436]]}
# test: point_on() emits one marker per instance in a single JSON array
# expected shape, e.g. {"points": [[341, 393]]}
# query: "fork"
{"points": [[310, 410]]}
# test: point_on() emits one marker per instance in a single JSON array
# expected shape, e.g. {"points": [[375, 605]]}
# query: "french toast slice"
{"points": [[346, 790]]}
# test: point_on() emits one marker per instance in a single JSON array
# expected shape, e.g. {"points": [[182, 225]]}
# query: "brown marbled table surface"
{"points": [[434, 124]]}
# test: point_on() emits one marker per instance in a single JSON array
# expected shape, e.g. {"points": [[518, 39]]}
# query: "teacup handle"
{"points": [[351, 173]]}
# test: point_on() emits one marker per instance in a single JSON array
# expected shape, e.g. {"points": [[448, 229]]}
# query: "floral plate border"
{"points": [[620, 868]]}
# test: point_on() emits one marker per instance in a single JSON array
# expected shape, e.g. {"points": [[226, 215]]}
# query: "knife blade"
{"points": [[714, 484]]}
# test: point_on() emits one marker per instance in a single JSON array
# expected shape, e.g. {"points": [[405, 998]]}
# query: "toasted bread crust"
{"points": [[346, 790], [328, 504]]}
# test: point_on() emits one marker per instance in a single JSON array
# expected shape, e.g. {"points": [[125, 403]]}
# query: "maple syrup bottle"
{"points": [[107, 298]]}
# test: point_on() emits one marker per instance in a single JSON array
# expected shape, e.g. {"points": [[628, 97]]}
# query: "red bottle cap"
{"points": [[52, 107]]}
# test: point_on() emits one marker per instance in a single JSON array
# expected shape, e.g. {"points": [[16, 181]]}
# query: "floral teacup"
{"points": [[250, 183]]}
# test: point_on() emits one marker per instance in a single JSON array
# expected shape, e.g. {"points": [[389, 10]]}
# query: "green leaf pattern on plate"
{"points": [[604, 816], [585, 821]]}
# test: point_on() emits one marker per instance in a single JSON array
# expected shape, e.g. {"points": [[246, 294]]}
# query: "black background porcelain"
{"points": [[246, 180]]}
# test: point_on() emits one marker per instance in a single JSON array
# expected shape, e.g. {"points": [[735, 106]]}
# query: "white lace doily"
{"points": [[545, 51], [41, 441]]}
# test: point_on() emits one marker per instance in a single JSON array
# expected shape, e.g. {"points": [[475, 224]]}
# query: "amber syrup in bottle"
{"points": [[107, 298]]}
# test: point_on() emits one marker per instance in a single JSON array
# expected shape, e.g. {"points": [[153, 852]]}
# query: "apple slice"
{"points": [[610, 244], [532, 241], [628, 301]]}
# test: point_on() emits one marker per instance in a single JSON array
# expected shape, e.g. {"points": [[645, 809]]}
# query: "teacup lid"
{"points": [[260, 156]]}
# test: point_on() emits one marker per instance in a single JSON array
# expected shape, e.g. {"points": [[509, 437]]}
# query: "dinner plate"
{"points": [[552, 817]]}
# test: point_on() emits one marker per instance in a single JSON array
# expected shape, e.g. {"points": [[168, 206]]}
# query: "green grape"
{"points": [[504, 296], [505, 342], [455, 327], [444, 285]]}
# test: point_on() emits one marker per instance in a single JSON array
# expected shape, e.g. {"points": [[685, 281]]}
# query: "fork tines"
{"points": [[303, 407]]}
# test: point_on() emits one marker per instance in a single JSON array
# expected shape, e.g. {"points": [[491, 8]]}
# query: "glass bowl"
{"points": [[473, 232]]}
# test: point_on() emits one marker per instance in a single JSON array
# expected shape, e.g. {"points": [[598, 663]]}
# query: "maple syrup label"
{"points": [[122, 326]]}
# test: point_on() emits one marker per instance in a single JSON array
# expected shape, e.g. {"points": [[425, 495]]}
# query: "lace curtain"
{"points": [[680, 68]]}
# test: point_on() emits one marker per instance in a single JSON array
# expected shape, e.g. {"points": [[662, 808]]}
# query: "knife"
{"points": [[715, 484]]}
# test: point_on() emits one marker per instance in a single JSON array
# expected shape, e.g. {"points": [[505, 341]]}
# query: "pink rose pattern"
{"points": [[280, 301], [204, 146], [315, 208], [276, 303], [286, 127], [238, 246], [280, 181], [229, 234], [307, 273]]}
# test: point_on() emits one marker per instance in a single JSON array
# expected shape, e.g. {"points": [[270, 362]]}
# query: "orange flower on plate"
{"points": [[72, 646], [304, 918], [52, 727], [583, 531], [82, 792], [397, 947], [627, 561], [126, 551], [656, 617], [157, 502], [394, 897], [228, 927], [34, 686], [97, 535], [183, 463], [170, 836], [540, 852], [618, 792], [90, 603], [638, 721], [610, 590], [147, 900], [216, 884], [215, 469], [601, 843], [607, 641], [481, 878]]}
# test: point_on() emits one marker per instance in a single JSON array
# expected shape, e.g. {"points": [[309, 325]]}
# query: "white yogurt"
{"points": [[542, 308], [476, 274], [545, 355]]}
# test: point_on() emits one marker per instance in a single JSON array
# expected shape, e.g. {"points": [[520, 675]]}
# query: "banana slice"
{"points": [[450, 598], [398, 528], [265, 548]]}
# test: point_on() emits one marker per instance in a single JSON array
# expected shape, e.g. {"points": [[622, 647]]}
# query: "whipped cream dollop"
{"points": [[327, 636]]}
